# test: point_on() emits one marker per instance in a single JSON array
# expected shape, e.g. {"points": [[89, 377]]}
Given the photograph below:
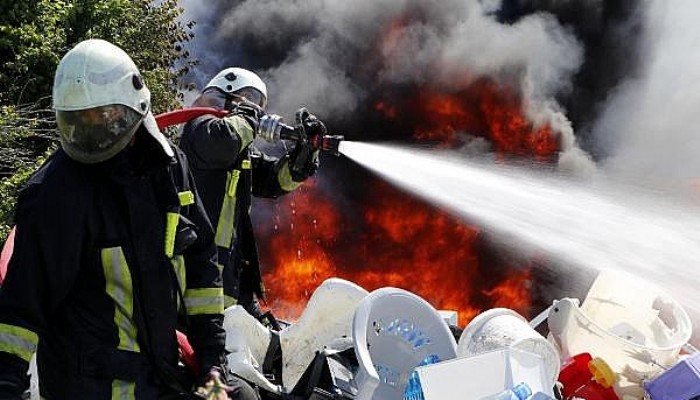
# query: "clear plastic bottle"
{"points": [[519, 392], [414, 391]]}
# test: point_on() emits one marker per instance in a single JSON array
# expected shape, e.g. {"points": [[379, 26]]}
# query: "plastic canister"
{"points": [[586, 377], [501, 327]]}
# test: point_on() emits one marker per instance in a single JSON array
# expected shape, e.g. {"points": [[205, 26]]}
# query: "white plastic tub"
{"points": [[631, 324], [501, 327]]}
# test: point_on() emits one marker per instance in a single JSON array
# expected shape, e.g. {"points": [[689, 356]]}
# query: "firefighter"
{"points": [[91, 287], [228, 168]]}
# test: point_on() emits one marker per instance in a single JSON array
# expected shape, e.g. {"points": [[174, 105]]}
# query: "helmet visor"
{"points": [[252, 95], [97, 134], [212, 97]]}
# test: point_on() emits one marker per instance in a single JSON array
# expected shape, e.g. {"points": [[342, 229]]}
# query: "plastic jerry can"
{"points": [[586, 377]]}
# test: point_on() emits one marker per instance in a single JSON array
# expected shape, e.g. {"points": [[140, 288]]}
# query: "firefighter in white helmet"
{"points": [[90, 285], [228, 168]]}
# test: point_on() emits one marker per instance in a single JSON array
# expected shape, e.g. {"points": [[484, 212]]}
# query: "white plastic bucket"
{"points": [[501, 327], [631, 324]]}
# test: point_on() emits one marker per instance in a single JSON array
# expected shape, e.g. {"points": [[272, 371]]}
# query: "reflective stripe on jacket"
{"points": [[228, 169], [90, 285]]}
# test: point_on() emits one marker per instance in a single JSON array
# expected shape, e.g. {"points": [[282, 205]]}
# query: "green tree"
{"points": [[35, 34]]}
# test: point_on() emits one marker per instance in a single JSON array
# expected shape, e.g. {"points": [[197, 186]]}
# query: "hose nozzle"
{"points": [[331, 143], [272, 129]]}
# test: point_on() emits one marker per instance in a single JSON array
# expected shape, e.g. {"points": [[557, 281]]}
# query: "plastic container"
{"points": [[541, 396], [682, 381], [518, 392], [483, 375], [327, 316], [630, 323], [501, 327], [393, 330], [414, 391], [588, 378]]}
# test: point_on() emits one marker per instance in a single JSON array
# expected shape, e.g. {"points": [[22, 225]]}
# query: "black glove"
{"points": [[304, 157], [313, 129], [250, 111]]}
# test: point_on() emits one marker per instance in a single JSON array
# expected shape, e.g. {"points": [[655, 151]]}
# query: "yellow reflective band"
{"points": [[180, 272], [123, 390], [170, 231], [229, 301], [245, 164], [224, 227], [120, 289], [284, 177], [204, 301], [18, 341], [186, 198], [243, 130]]}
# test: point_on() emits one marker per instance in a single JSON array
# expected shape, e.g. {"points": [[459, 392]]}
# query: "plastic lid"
{"points": [[601, 372], [522, 391]]}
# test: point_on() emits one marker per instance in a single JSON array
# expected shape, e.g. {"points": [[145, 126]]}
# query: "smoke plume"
{"points": [[339, 58], [649, 122]]}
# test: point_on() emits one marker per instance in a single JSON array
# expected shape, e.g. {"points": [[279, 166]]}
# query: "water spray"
{"points": [[595, 225]]}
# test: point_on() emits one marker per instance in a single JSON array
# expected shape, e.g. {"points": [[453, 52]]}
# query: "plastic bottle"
{"points": [[413, 390], [519, 392], [540, 396], [586, 377]]}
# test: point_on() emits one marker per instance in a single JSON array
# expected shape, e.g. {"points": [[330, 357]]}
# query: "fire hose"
{"points": [[271, 128]]}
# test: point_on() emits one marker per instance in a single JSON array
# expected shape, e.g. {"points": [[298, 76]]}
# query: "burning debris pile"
{"points": [[449, 77], [496, 80]]}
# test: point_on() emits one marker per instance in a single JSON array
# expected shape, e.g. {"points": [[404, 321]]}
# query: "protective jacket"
{"points": [[228, 169], [91, 286]]}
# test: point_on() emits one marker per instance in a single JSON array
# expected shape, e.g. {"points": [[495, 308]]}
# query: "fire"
{"points": [[386, 238], [398, 241], [483, 109]]}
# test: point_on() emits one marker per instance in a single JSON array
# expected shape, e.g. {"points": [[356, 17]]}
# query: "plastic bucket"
{"points": [[501, 327], [632, 325]]}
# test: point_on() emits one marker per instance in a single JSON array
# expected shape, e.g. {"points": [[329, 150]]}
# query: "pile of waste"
{"points": [[626, 340]]}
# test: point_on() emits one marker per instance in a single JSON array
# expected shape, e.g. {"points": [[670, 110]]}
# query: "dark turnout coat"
{"points": [[228, 169], [92, 286]]}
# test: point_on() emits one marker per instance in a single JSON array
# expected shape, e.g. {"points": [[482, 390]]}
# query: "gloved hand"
{"points": [[214, 386], [304, 157], [250, 111], [311, 126]]}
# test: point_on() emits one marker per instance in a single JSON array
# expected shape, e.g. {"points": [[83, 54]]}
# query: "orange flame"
{"points": [[398, 241], [392, 239], [483, 109]]}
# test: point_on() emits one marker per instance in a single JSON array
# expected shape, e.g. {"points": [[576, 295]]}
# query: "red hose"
{"points": [[187, 354], [186, 114]]}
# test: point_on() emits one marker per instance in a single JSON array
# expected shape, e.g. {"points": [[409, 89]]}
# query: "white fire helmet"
{"points": [[240, 83], [100, 101]]}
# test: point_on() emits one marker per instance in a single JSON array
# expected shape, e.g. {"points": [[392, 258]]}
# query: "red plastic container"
{"points": [[587, 378]]}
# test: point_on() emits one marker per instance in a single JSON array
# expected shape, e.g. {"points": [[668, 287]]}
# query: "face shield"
{"points": [[97, 134], [251, 95]]}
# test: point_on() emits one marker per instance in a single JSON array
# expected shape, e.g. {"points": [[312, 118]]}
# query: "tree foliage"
{"points": [[35, 34]]}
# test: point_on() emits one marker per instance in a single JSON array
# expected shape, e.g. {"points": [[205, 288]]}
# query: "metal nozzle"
{"points": [[270, 127], [331, 143]]}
